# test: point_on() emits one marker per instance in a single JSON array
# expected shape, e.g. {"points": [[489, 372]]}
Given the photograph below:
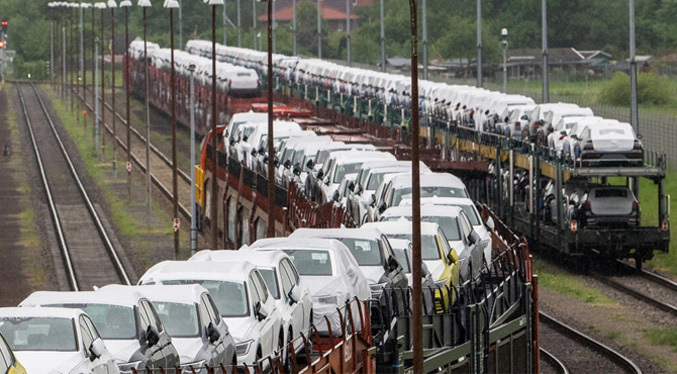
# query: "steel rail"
{"points": [[588, 341], [112, 251], [70, 269], [651, 276], [636, 294], [554, 362]]}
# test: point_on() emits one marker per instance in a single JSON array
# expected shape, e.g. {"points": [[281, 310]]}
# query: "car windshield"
{"points": [[403, 259], [39, 333], [230, 297], [298, 155], [112, 321], [472, 215], [374, 181], [179, 319], [271, 281], [366, 252], [311, 262], [611, 192], [429, 249], [344, 169], [405, 193], [448, 224]]}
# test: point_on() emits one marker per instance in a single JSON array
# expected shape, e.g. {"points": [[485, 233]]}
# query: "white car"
{"points": [[56, 340], [237, 119], [369, 247], [403, 252], [563, 128], [331, 273], [190, 315], [435, 247], [518, 117], [368, 179], [443, 185], [241, 296], [285, 285], [126, 320], [340, 164], [456, 226], [571, 144], [474, 216]]}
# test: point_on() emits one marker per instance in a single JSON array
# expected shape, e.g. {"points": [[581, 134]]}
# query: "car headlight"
{"points": [[327, 299], [243, 348], [126, 367]]}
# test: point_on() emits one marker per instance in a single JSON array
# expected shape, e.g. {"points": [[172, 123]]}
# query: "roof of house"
{"points": [[331, 10]]}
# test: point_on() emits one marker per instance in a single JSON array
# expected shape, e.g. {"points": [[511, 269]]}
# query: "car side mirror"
{"points": [[96, 349], [351, 186], [563, 132], [262, 150], [392, 264], [297, 170], [336, 196], [261, 311], [310, 164], [490, 224], [276, 162], [294, 294], [287, 164], [574, 136], [372, 200], [382, 207], [452, 256], [213, 333], [473, 237], [152, 336], [327, 181], [320, 174], [254, 152], [244, 138]]}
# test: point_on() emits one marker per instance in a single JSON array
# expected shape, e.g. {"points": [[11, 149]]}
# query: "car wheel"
{"points": [[233, 363], [288, 364]]}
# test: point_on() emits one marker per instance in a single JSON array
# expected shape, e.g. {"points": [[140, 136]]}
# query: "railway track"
{"points": [[577, 352], [160, 164], [645, 286], [89, 255], [554, 363]]}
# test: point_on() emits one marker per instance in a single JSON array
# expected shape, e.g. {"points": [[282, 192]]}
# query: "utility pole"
{"points": [[319, 29], [239, 26], [96, 94], [225, 22], [254, 23], [544, 63], [51, 52], [479, 43], [112, 5], [424, 19], [634, 116], [271, 150], [193, 206], [383, 41], [293, 22], [348, 32]]}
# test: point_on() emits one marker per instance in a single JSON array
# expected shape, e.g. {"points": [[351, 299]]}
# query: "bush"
{"points": [[37, 70], [651, 89]]}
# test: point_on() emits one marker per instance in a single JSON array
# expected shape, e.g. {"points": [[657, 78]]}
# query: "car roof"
{"points": [[430, 179], [426, 210], [185, 293], [264, 260], [403, 226], [40, 312], [352, 233], [293, 243], [124, 295], [196, 270]]}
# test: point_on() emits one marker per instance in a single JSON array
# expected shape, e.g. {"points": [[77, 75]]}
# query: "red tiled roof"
{"points": [[328, 13]]}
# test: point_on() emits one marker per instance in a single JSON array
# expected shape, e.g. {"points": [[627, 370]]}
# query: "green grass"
{"points": [[664, 337], [563, 283]]}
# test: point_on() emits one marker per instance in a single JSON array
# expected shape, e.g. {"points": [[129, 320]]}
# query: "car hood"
{"points": [[240, 327], [188, 348], [373, 273], [436, 268], [122, 349], [320, 286], [45, 362]]}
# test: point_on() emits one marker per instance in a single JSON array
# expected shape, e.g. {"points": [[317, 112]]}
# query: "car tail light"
{"points": [[665, 226], [574, 226], [635, 206], [588, 205], [588, 146], [561, 137], [637, 144], [518, 125], [537, 124]]}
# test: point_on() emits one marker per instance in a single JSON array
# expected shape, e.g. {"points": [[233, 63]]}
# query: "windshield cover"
{"points": [[311, 262], [39, 333], [179, 319]]}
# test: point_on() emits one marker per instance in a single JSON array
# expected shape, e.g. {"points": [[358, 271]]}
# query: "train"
{"points": [[515, 170]]}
